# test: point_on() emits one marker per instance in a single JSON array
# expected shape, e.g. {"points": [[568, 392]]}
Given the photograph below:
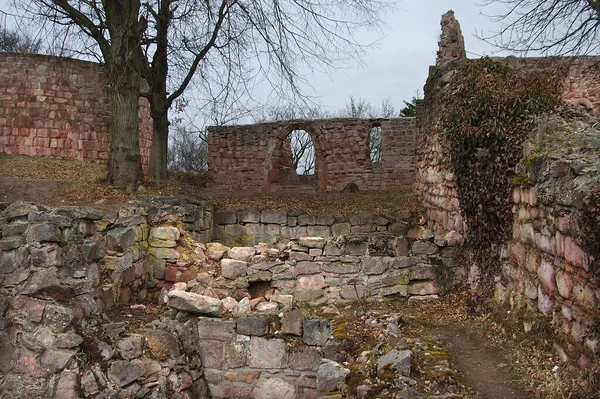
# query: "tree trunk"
{"points": [[125, 162], [159, 99], [160, 138], [122, 63]]}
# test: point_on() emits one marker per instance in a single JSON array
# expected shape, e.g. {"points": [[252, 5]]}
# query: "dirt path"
{"points": [[479, 368]]}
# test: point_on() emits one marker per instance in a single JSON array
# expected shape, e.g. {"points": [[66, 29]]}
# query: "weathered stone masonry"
{"points": [[545, 267], [255, 157], [59, 107], [61, 267]]}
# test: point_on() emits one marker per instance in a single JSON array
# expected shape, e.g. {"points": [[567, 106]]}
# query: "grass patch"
{"points": [[88, 185]]}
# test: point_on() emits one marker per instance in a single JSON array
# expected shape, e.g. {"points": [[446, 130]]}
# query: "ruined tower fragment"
{"points": [[452, 42]]}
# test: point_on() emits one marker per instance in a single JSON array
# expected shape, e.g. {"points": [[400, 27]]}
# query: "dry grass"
{"points": [[50, 168], [88, 185], [388, 202], [529, 354]]}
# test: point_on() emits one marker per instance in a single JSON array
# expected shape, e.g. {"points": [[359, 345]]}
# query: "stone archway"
{"points": [[282, 172]]}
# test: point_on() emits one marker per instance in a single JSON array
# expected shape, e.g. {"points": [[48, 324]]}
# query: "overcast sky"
{"points": [[397, 66]]}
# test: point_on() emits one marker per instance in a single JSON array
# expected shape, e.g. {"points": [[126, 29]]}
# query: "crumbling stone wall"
{"points": [[61, 267], [434, 179], [548, 267], [59, 107], [243, 358], [251, 226], [545, 265], [452, 42], [257, 157]]}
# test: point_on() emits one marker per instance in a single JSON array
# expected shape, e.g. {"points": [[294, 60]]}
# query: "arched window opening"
{"points": [[303, 153], [375, 144]]}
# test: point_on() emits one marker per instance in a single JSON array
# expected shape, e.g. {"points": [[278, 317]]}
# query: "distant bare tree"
{"points": [[303, 152], [188, 151], [13, 42], [361, 108], [387, 109], [291, 111], [551, 27], [358, 108]]}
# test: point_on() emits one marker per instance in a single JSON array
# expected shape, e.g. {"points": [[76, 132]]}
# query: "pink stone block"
{"points": [[546, 276], [517, 252], [560, 244], [516, 195], [564, 283], [311, 281], [573, 252], [545, 243]]}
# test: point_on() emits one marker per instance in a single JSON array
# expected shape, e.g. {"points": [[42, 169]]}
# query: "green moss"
{"points": [[63, 242], [520, 179], [529, 161]]}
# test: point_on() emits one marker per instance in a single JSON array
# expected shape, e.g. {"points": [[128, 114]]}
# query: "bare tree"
{"points": [[14, 42], [188, 151], [361, 108], [116, 29], [358, 108], [223, 42], [551, 27], [387, 109], [303, 152]]}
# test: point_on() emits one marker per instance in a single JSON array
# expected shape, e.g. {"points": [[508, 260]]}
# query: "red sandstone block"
{"points": [[125, 295], [311, 394], [171, 273], [89, 145], [92, 155], [186, 276], [518, 252], [128, 276]]}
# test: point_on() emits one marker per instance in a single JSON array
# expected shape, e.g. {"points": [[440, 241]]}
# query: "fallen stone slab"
{"points": [[331, 376], [397, 360], [195, 303], [122, 372]]}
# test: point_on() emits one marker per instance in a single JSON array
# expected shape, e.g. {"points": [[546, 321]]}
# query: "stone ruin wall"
{"points": [[434, 180], [59, 107], [61, 267], [545, 266], [257, 157]]}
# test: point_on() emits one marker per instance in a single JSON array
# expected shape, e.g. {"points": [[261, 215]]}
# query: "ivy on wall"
{"points": [[488, 113]]}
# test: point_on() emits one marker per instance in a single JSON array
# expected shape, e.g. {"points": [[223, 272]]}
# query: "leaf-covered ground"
{"points": [[87, 186], [529, 356]]}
